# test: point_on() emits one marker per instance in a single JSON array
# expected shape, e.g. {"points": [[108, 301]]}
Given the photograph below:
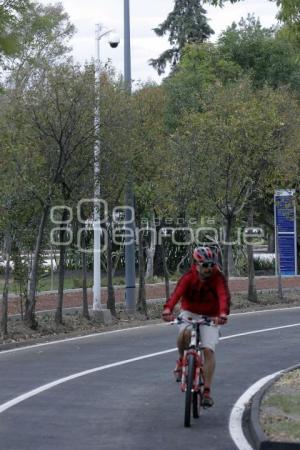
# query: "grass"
{"points": [[280, 408], [285, 431], [71, 282], [286, 403], [74, 281]]}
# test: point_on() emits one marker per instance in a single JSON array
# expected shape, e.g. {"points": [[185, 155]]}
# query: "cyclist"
{"points": [[203, 291]]}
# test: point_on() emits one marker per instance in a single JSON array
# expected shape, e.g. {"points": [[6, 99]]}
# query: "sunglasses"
{"points": [[207, 264]]}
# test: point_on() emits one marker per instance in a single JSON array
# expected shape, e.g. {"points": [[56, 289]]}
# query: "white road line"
{"points": [[76, 338], [103, 333], [45, 387], [263, 330], [48, 386], [264, 311], [235, 420]]}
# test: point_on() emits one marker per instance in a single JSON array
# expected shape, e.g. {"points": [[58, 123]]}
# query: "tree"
{"points": [[11, 12], [7, 255], [149, 168], [53, 122], [201, 65], [232, 155], [246, 49], [43, 32], [261, 53], [288, 13], [185, 24], [117, 153]]}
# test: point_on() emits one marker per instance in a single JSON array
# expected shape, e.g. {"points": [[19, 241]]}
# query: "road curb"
{"points": [[259, 438]]}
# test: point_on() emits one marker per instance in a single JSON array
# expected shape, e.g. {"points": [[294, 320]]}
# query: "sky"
{"points": [[144, 16]]}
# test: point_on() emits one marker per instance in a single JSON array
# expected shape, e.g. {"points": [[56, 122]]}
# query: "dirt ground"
{"points": [[74, 324]]}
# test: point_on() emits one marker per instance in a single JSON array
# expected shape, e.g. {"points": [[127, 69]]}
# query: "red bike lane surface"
{"points": [[73, 298]]}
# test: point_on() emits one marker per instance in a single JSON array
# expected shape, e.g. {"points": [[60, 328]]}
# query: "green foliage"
{"points": [[220, 2], [11, 12], [185, 24], [289, 14], [262, 54], [246, 49], [263, 264], [200, 67], [224, 148], [43, 32]]}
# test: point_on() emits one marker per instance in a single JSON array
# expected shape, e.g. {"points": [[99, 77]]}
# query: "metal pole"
{"points": [[127, 47], [129, 196], [97, 228]]}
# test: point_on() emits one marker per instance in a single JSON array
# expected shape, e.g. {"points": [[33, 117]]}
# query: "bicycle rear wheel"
{"points": [[189, 388], [198, 397], [196, 405]]}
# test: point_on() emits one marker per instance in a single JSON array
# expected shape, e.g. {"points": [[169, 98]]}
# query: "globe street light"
{"points": [[114, 40]]}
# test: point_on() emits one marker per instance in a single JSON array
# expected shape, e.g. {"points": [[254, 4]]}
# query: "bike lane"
{"points": [[136, 405]]}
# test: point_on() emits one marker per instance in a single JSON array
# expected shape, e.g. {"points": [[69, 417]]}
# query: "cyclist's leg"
{"points": [[209, 366], [209, 338], [184, 335], [182, 344], [183, 341]]}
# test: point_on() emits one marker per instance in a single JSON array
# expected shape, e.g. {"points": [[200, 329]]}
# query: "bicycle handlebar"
{"points": [[204, 321]]}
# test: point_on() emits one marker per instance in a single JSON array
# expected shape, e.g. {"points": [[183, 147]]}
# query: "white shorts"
{"points": [[209, 334]]}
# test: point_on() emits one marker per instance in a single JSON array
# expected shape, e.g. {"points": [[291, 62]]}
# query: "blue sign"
{"points": [[285, 229]]}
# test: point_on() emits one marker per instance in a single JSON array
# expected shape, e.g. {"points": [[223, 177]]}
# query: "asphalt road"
{"points": [[136, 405]]}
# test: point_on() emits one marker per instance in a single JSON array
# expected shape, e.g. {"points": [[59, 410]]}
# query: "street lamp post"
{"points": [[114, 41], [129, 196]]}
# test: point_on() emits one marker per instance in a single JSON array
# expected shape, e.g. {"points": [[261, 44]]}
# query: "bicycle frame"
{"points": [[192, 379], [194, 349]]}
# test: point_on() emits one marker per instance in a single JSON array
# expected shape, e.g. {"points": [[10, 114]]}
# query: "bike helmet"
{"points": [[205, 254]]}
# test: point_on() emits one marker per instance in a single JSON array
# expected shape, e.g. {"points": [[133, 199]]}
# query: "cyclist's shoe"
{"points": [[178, 370], [207, 400]]}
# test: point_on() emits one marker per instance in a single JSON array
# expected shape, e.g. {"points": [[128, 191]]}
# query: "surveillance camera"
{"points": [[114, 40]]}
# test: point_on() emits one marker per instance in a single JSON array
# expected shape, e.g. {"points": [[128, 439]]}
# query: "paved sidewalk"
{"points": [[73, 298]]}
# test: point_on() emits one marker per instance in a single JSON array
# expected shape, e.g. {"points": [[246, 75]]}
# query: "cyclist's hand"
{"points": [[167, 315], [221, 320]]}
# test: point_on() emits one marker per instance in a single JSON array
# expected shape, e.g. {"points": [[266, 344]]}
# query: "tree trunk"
{"points": [[30, 317], [6, 284], [85, 305], [252, 292], [158, 265], [150, 252], [141, 303], [165, 269], [158, 269], [227, 233], [61, 270], [231, 265], [111, 299], [271, 242]]}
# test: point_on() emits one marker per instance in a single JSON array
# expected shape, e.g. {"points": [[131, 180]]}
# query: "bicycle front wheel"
{"points": [[189, 389], [196, 405]]}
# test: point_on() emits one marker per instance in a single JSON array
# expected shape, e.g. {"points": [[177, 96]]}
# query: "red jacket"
{"points": [[209, 297]]}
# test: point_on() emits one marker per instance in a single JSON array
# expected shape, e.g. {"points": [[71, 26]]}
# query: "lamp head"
{"points": [[114, 40]]}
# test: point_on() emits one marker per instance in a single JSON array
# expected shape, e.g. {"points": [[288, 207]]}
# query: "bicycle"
{"points": [[192, 378]]}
